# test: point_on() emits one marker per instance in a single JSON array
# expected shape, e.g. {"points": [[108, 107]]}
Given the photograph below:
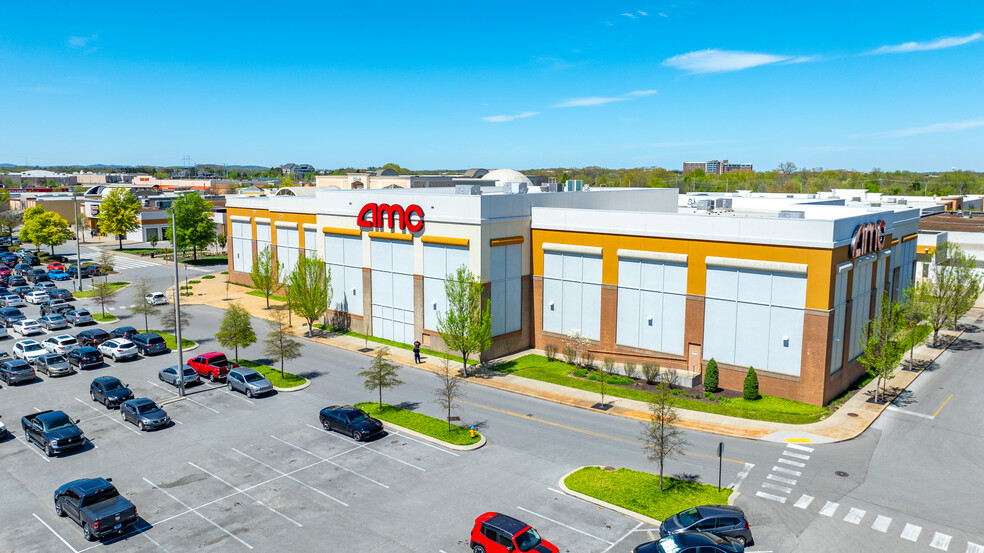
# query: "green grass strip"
{"points": [[171, 341], [107, 318], [401, 345], [259, 294], [89, 293], [429, 426], [639, 491], [273, 375]]}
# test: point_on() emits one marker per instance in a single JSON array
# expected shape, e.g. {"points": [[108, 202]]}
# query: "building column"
{"points": [[367, 300]]}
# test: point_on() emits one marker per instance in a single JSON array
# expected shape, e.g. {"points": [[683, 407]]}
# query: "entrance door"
{"points": [[694, 356]]}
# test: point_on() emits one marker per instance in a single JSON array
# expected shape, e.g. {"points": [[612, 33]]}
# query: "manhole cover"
{"points": [[840, 473], [852, 414], [610, 469]]}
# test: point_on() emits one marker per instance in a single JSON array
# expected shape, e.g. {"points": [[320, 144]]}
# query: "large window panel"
{"points": [[720, 321], [752, 336], [651, 305], [439, 261], [576, 297], [343, 257], [506, 266]]}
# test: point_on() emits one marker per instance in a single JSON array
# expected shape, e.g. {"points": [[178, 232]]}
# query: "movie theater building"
{"points": [[784, 286]]}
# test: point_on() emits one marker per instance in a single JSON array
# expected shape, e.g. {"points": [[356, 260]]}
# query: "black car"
{"points": [[85, 358], [722, 520], [690, 542], [55, 306], [10, 315], [21, 269], [144, 413], [32, 260], [92, 337], [149, 342], [127, 332], [15, 281], [352, 421], [87, 271], [37, 275], [60, 294], [109, 391], [96, 506]]}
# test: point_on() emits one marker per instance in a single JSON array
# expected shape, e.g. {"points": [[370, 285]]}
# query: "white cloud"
{"points": [[718, 61], [630, 15], [81, 41], [661, 14], [642, 13], [946, 42], [601, 100], [504, 118], [936, 128], [801, 59], [640, 93]]}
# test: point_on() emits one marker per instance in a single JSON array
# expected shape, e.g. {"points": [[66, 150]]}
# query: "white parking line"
{"points": [[298, 524], [881, 523], [114, 419], [855, 515], [421, 442], [186, 396], [203, 517], [312, 488], [565, 526], [299, 448], [789, 481], [57, 535], [607, 549], [911, 532], [793, 463], [741, 476], [378, 452], [764, 495], [829, 508], [940, 541], [121, 537], [804, 501], [235, 395], [787, 471], [34, 448]]}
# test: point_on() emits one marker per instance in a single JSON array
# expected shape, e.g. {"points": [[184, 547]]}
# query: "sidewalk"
{"points": [[846, 423]]}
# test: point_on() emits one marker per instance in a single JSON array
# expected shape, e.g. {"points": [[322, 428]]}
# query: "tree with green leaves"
{"points": [[193, 217], [711, 376], [119, 213], [449, 391], [951, 288], [881, 342], [280, 343], [466, 325], [750, 388], [141, 289], [27, 231], [10, 219], [236, 329], [381, 373], [47, 228], [660, 437], [103, 292], [264, 273], [309, 289]]}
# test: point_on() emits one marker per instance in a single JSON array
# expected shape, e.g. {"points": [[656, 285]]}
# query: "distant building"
{"points": [[715, 167], [297, 169]]}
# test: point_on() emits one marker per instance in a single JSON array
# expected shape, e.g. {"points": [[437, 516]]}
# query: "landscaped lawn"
{"points": [[418, 422], [107, 318], [639, 491], [384, 341], [273, 375], [259, 294], [88, 293], [171, 341], [538, 367]]}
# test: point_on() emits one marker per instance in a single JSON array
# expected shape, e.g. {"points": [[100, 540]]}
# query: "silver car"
{"points": [[118, 348], [78, 316], [53, 364], [248, 381], [170, 375], [53, 321]]}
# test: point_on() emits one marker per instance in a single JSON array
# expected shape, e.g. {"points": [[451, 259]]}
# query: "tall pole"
{"points": [[177, 304], [78, 247]]}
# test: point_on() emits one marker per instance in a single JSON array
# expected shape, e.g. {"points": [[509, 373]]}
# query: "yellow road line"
{"points": [[588, 432], [942, 406]]}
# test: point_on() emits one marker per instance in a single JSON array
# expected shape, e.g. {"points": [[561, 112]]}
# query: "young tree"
{"points": [[951, 288], [661, 439], [196, 229], [466, 326], [236, 329], [381, 374], [27, 231], [119, 213], [264, 273], [449, 391], [750, 389], [711, 376], [141, 288], [280, 343], [578, 343], [309, 289], [167, 318], [48, 229], [103, 292], [913, 315], [105, 262], [881, 347], [10, 219]]}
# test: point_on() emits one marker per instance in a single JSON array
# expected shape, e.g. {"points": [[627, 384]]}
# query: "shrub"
{"points": [[621, 380], [581, 372], [570, 354], [711, 376], [751, 388], [224, 273], [630, 369], [609, 365], [651, 372], [209, 276], [587, 359], [550, 350], [194, 281], [709, 395]]}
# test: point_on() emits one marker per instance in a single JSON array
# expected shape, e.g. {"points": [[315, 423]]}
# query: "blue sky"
{"points": [[853, 85]]}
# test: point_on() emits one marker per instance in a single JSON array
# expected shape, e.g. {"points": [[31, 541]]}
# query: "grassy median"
{"points": [[171, 340], [273, 375], [114, 286], [107, 318], [429, 426]]}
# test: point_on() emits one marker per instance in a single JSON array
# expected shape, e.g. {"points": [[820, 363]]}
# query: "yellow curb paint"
{"points": [[942, 406], [799, 440]]}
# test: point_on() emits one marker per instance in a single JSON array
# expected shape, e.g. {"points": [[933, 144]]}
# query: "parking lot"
{"points": [[238, 474]]}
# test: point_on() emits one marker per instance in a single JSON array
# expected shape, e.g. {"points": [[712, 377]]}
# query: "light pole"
{"points": [[78, 246], [177, 305]]}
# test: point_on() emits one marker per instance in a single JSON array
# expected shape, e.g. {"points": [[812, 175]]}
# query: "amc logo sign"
{"points": [[374, 215], [868, 238]]}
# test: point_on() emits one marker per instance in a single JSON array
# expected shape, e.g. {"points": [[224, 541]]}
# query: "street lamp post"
{"points": [[78, 246], [177, 305]]}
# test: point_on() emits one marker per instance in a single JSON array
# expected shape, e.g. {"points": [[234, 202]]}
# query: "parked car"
{"points": [[148, 342], [96, 506], [63, 343], [58, 274], [44, 286], [3, 332], [3, 431], [214, 365], [60, 294], [118, 348], [10, 315], [124, 332], [109, 391], [144, 413], [28, 327], [36, 297], [498, 533], [16, 371], [690, 542], [170, 375], [56, 266], [32, 260], [21, 269], [350, 420], [36, 276], [85, 357], [92, 337], [5, 271], [52, 431], [248, 381], [55, 306], [721, 520], [12, 300], [28, 350], [156, 298], [53, 364], [87, 271], [78, 316], [21, 288]]}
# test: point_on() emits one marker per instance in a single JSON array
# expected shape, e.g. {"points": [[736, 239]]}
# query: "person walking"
{"points": [[416, 351]]}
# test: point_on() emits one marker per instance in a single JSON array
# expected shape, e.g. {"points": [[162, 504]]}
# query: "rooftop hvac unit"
{"points": [[722, 203], [856, 199], [790, 196], [792, 215], [468, 189], [574, 185], [891, 200], [553, 187], [514, 187], [875, 204], [705, 205], [903, 201]]}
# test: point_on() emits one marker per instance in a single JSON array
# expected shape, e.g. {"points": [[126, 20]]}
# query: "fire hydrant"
{"points": [[471, 431]]}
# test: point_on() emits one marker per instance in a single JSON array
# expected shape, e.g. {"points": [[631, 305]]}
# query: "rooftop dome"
{"points": [[506, 175]]}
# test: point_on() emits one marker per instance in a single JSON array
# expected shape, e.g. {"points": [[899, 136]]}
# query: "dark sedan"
{"points": [[85, 358], [124, 332], [144, 413], [60, 294], [109, 391], [721, 520], [149, 342], [92, 337], [10, 315], [690, 542], [17, 281], [16, 371], [352, 421]]}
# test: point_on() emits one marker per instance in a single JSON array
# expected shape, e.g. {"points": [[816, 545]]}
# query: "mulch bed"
{"points": [[641, 384]]}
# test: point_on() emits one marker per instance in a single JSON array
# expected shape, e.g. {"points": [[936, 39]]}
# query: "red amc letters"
{"points": [[868, 238], [374, 215]]}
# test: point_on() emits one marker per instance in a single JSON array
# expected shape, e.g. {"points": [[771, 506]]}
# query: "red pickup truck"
{"points": [[213, 365]]}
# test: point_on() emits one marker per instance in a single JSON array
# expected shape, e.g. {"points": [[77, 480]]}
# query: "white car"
{"points": [[12, 300], [118, 348], [28, 327], [156, 298], [36, 297], [63, 343], [28, 350]]}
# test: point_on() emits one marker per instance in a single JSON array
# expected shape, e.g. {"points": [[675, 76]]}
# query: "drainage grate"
{"points": [[840, 473]]}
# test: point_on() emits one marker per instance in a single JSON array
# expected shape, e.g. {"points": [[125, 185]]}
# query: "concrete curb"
{"points": [[295, 388], [426, 438], [621, 510]]}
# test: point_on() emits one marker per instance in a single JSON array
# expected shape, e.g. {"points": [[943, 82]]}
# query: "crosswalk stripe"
{"points": [[764, 495], [797, 455], [800, 447], [793, 463], [772, 486], [974, 548], [940, 541], [127, 263], [881, 523], [829, 508], [787, 471], [855, 515], [911, 532], [789, 481], [803, 502]]}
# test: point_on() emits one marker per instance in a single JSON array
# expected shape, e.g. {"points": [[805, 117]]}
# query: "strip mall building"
{"points": [[784, 285]]}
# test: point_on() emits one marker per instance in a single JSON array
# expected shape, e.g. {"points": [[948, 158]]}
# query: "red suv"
{"points": [[213, 365], [497, 533]]}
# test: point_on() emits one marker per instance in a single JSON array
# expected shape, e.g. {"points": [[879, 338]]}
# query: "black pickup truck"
{"points": [[96, 505], [52, 431]]}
